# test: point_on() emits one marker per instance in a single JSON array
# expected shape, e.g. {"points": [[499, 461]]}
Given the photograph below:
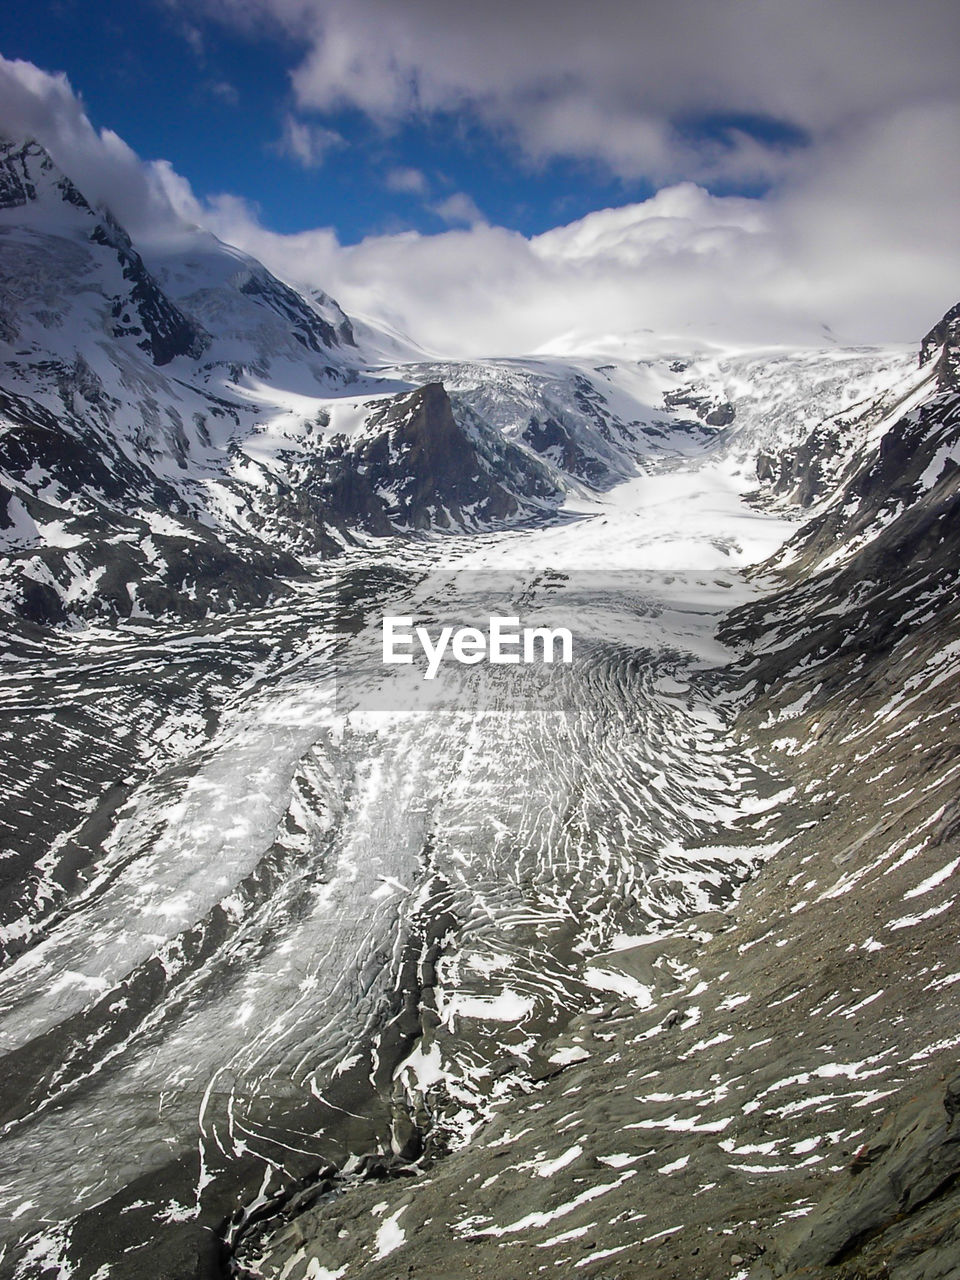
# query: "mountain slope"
{"points": [[164, 449]]}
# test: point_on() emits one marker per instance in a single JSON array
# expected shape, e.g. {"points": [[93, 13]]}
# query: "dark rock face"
{"points": [[117, 464], [896, 1213], [17, 181], [187, 574], [856, 640], [413, 468], [553, 440], [39, 439], [416, 467], [801, 474], [872, 487], [714, 413], [309, 329], [902, 484], [942, 344], [145, 312]]}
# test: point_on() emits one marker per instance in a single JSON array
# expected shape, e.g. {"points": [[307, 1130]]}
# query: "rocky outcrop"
{"points": [[144, 312], [552, 439], [890, 465], [942, 346], [416, 467], [311, 330], [29, 177], [801, 474], [124, 541], [712, 412], [132, 479], [896, 1213], [24, 169]]}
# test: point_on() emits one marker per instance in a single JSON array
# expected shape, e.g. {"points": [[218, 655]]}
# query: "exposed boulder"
{"points": [[896, 1213]]}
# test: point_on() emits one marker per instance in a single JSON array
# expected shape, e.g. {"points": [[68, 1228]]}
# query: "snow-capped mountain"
{"points": [[654, 978], [179, 433], [186, 433]]}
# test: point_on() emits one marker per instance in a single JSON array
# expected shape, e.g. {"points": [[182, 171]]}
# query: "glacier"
{"points": [[294, 987]]}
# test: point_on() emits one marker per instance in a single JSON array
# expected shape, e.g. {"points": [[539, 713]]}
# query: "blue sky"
{"points": [[214, 99], [214, 102]]}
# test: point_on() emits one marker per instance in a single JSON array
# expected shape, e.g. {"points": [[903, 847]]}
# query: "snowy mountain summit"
{"points": [[186, 432]]}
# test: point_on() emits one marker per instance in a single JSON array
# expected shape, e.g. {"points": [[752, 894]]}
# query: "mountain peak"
{"points": [[943, 343], [29, 176], [37, 196]]}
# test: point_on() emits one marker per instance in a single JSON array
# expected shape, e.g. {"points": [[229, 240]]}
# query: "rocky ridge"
{"points": [[141, 475]]}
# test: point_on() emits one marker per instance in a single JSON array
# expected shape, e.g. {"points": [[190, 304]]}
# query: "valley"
{"points": [[643, 967]]}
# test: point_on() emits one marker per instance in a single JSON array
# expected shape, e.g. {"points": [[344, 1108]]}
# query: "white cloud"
{"points": [[307, 143], [194, 38], [225, 91], [615, 80], [458, 208], [862, 237], [863, 240], [868, 225], [407, 181], [36, 104]]}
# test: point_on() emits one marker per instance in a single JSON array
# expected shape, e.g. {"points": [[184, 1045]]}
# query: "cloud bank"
{"points": [[619, 81], [859, 235]]}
